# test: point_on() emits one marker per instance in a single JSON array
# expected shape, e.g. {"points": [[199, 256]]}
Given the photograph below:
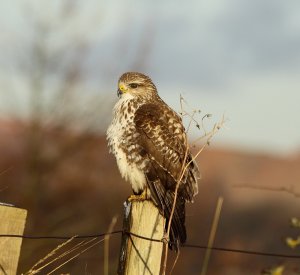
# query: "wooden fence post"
{"points": [[12, 222], [137, 255]]}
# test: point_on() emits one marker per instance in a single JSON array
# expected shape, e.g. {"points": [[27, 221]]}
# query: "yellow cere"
{"points": [[122, 88]]}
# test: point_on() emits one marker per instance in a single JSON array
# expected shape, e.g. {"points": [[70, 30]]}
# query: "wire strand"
{"points": [[241, 251], [222, 249]]}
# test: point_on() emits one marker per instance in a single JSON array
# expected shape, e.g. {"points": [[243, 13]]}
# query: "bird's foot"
{"points": [[141, 197]]}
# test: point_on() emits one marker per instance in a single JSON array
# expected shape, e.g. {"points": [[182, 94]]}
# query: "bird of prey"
{"points": [[149, 142]]}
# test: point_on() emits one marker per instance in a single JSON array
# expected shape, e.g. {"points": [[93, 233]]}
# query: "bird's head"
{"points": [[135, 84]]}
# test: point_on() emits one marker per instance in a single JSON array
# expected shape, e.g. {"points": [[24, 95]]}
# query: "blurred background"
{"points": [[59, 66]]}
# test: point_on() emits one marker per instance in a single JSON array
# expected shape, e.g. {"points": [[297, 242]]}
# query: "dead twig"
{"points": [[212, 235], [208, 136], [106, 245], [290, 189], [35, 269], [175, 261], [49, 258], [78, 254]]}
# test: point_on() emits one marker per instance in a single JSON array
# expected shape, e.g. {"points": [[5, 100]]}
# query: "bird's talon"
{"points": [[141, 197]]}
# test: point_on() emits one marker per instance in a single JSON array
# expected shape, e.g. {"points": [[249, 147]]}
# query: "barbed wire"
{"points": [[230, 250]]}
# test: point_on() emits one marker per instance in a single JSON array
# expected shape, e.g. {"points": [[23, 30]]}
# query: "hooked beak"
{"points": [[121, 90], [119, 93]]}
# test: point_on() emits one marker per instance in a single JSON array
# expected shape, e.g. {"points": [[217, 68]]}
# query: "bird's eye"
{"points": [[133, 85]]}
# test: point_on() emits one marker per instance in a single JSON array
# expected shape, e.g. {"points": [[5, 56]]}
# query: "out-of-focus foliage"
{"points": [[295, 222], [292, 243], [278, 270]]}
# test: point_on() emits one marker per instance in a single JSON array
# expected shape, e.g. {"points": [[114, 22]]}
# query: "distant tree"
{"points": [[51, 92], [54, 66]]}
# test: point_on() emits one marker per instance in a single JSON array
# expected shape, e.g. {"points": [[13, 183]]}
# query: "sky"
{"points": [[236, 58]]}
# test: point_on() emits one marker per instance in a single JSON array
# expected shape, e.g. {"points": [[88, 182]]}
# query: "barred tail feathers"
{"points": [[164, 200]]}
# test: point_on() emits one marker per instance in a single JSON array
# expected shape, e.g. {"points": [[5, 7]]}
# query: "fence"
{"points": [[11, 235]]}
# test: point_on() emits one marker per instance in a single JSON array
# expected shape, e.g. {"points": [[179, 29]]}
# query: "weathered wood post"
{"points": [[12, 222], [137, 255]]}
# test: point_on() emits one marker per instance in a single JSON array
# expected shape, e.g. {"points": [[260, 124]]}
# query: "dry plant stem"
{"points": [[62, 255], [212, 235], [106, 245], [52, 253], [172, 212], [210, 134], [191, 120], [71, 250], [191, 116], [289, 190], [82, 243], [183, 169], [175, 261], [173, 206], [75, 256]]}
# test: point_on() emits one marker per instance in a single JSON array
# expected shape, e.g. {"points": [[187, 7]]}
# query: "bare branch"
{"points": [[106, 245], [208, 136], [290, 189], [35, 270], [48, 260], [212, 235]]}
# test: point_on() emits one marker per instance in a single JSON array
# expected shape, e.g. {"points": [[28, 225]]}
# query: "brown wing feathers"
{"points": [[163, 139]]}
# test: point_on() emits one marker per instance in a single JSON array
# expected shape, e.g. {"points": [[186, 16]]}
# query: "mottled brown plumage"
{"points": [[149, 142]]}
